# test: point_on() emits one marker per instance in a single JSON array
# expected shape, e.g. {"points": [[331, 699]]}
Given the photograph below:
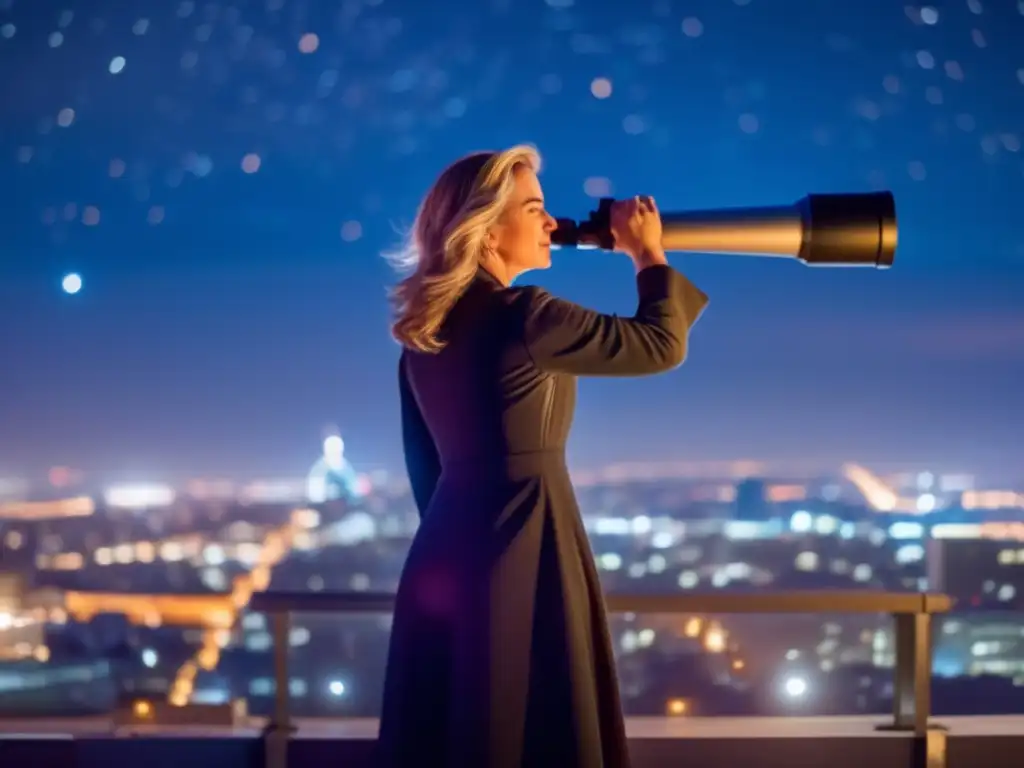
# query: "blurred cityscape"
{"points": [[130, 595]]}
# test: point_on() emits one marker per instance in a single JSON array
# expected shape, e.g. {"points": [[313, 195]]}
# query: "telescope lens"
{"points": [[848, 230]]}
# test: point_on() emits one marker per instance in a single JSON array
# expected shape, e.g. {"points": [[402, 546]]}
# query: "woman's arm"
{"points": [[564, 337], [422, 462]]}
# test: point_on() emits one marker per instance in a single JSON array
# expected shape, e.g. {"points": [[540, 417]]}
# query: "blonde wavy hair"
{"points": [[447, 240]]}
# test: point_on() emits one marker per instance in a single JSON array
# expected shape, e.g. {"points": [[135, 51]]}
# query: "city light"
{"points": [[139, 496], [79, 506], [677, 707], [801, 521], [795, 687], [715, 640]]}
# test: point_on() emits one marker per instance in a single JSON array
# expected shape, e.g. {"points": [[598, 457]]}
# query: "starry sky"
{"points": [[225, 176]]}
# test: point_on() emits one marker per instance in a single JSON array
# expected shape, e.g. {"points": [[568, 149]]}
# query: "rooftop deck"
{"points": [[970, 742]]}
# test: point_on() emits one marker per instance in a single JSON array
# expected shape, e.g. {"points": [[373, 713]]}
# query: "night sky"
{"points": [[225, 189]]}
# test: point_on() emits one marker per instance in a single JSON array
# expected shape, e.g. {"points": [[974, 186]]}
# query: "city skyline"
{"points": [[61, 476], [129, 584]]}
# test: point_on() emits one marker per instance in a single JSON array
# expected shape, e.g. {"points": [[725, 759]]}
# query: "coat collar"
{"points": [[485, 278]]}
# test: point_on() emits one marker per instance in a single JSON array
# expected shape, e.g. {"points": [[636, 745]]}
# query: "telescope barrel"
{"points": [[819, 230]]}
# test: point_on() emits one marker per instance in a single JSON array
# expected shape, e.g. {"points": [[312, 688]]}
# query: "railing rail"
{"points": [[798, 601], [911, 612]]}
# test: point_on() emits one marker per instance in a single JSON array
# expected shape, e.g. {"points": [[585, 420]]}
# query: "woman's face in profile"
{"points": [[522, 238]]}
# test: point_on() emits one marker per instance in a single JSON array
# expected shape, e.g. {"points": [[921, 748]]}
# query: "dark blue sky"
{"points": [[225, 320]]}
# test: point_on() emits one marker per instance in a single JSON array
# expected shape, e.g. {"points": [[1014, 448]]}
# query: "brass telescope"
{"points": [[845, 230]]}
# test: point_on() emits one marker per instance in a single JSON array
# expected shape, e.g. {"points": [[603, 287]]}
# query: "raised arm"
{"points": [[564, 337], [422, 462]]}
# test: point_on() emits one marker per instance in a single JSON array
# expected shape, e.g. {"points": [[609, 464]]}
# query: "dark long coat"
{"points": [[500, 654]]}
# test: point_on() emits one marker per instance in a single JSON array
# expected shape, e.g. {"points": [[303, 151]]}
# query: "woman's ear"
{"points": [[491, 238]]}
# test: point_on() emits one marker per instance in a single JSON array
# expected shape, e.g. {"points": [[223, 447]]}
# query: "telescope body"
{"points": [[819, 230]]}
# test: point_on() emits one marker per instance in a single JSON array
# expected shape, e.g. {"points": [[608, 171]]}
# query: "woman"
{"points": [[500, 654]]}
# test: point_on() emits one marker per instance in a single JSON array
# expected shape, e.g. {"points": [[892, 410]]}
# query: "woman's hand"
{"points": [[636, 229]]}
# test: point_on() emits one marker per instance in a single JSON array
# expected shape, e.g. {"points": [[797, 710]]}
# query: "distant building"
{"points": [[21, 631], [752, 500], [56, 689], [332, 476], [978, 572]]}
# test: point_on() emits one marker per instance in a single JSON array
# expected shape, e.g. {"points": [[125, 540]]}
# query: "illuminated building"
{"points": [[22, 621], [332, 476], [79, 506]]}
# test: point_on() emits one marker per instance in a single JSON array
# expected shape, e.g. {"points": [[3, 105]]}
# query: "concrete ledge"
{"points": [[993, 742]]}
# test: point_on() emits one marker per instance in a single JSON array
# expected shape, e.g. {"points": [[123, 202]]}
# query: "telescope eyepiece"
{"points": [[594, 232], [566, 234]]}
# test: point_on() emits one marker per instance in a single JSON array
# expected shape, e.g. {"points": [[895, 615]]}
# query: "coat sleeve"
{"points": [[422, 462], [564, 337]]}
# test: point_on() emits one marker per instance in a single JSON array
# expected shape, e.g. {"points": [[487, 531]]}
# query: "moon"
{"points": [[72, 283]]}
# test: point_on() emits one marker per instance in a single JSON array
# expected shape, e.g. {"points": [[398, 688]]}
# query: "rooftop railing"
{"points": [[911, 613]]}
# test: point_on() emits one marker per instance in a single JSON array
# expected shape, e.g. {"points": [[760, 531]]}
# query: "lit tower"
{"points": [[332, 476]]}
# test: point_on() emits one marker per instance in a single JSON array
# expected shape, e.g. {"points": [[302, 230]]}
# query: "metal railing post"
{"points": [[279, 728], [912, 690], [912, 676]]}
